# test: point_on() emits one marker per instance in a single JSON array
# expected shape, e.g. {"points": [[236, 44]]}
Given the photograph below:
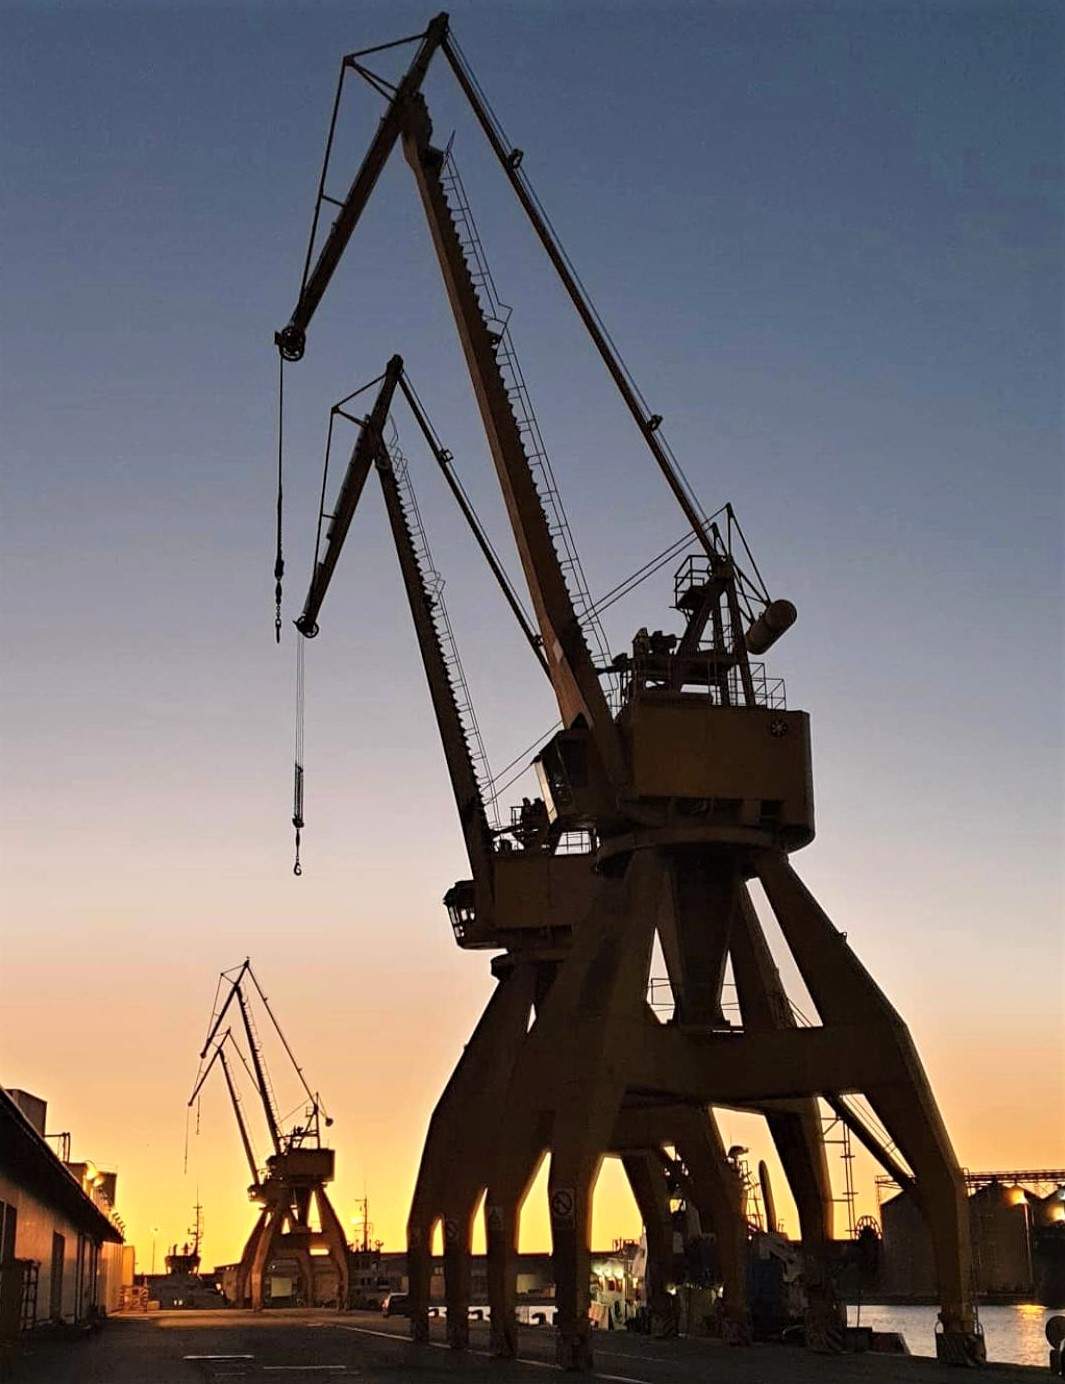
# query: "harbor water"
{"points": [[1014, 1333]]}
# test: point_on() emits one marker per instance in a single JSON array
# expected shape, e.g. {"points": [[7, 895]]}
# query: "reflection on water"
{"points": [[1014, 1334]]}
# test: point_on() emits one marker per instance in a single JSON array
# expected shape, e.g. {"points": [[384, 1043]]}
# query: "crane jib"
{"points": [[291, 339]]}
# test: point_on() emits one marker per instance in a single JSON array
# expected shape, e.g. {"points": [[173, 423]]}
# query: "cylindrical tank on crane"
{"points": [[777, 617]]}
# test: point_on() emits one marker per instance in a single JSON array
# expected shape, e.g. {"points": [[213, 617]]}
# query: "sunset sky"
{"points": [[827, 238]]}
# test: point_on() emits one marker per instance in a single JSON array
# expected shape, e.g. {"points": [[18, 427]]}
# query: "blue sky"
{"points": [[827, 238]]}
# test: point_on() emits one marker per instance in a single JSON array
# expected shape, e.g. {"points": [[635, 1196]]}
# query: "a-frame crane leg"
{"points": [[305, 1268], [336, 1242], [247, 1258], [586, 1021], [844, 992], [460, 1204], [568, 1085], [580, 1137], [456, 1158], [694, 929], [519, 1152], [796, 1133], [718, 1194], [647, 1178], [269, 1229]]}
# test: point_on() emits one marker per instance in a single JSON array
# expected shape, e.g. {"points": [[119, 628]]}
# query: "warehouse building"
{"points": [[60, 1241]]}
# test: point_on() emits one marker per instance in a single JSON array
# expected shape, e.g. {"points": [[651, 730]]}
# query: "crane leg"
{"points": [[648, 1182], [517, 1159], [268, 1229], [694, 931], [461, 1136], [567, 1089], [243, 1289], [420, 1227], [719, 1201], [306, 1273], [459, 1208], [337, 1243], [579, 1141], [843, 992], [796, 1133]]}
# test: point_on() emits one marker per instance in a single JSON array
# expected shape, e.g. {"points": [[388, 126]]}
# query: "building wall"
{"points": [[75, 1277], [116, 1272]]}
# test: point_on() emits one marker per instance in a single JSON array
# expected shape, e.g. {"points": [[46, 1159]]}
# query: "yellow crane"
{"points": [[691, 778], [293, 1182]]}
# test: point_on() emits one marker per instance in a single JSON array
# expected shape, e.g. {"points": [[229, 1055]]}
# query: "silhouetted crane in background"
{"points": [[290, 1190]]}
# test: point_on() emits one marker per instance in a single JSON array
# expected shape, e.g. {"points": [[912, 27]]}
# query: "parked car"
{"points": [[396, 1305]]}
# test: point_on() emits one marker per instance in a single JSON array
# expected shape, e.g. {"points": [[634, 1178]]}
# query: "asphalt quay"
{"points": [[310, 1347]]}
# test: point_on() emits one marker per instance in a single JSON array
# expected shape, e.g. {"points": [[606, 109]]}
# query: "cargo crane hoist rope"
{"points": [[698, 783]]}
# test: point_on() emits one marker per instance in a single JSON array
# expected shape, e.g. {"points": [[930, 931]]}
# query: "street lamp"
{"points": [[155, 1232]]}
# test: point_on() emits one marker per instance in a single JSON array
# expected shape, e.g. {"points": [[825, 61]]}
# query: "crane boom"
{"points": [[234, 986], [572, 669], [219, 1056], [260, 1070], [425, 608], [453, 733], [573, 674], [443, 460], [362, 457], [291, 339], [203, 1076], [249, 1152]]}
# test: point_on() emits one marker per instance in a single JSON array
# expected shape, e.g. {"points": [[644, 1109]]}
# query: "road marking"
{"points": [[218, 1357], [385, 1335], [305, 1369], [638, 1359], [486, 1354]]}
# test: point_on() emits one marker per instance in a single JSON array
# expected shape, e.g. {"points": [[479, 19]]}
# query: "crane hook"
{"points": [[297, 869]]}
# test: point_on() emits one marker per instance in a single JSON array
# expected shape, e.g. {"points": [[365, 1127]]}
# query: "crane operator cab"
{"points": [[711, 749]]}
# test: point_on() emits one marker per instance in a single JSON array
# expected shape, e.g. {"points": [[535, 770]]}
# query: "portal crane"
{"points": [[482, 917], [524, 896], [294, 1179], [697, 783]]}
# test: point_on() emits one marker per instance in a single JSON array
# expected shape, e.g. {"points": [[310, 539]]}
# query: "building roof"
{"points": [[30, 1162]]}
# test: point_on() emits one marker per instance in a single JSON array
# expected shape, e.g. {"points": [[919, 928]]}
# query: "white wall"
{"points": [[36, 1225]]}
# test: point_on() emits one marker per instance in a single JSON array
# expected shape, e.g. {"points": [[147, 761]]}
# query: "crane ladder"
{"points": [[269, 1099], [497, 317]]}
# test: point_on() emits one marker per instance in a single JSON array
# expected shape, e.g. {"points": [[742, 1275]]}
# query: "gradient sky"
{"points": [[828, 240]]}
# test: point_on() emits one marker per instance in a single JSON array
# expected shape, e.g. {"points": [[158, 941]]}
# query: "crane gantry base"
{"points": [[598, 1073], [294, 1185]]}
